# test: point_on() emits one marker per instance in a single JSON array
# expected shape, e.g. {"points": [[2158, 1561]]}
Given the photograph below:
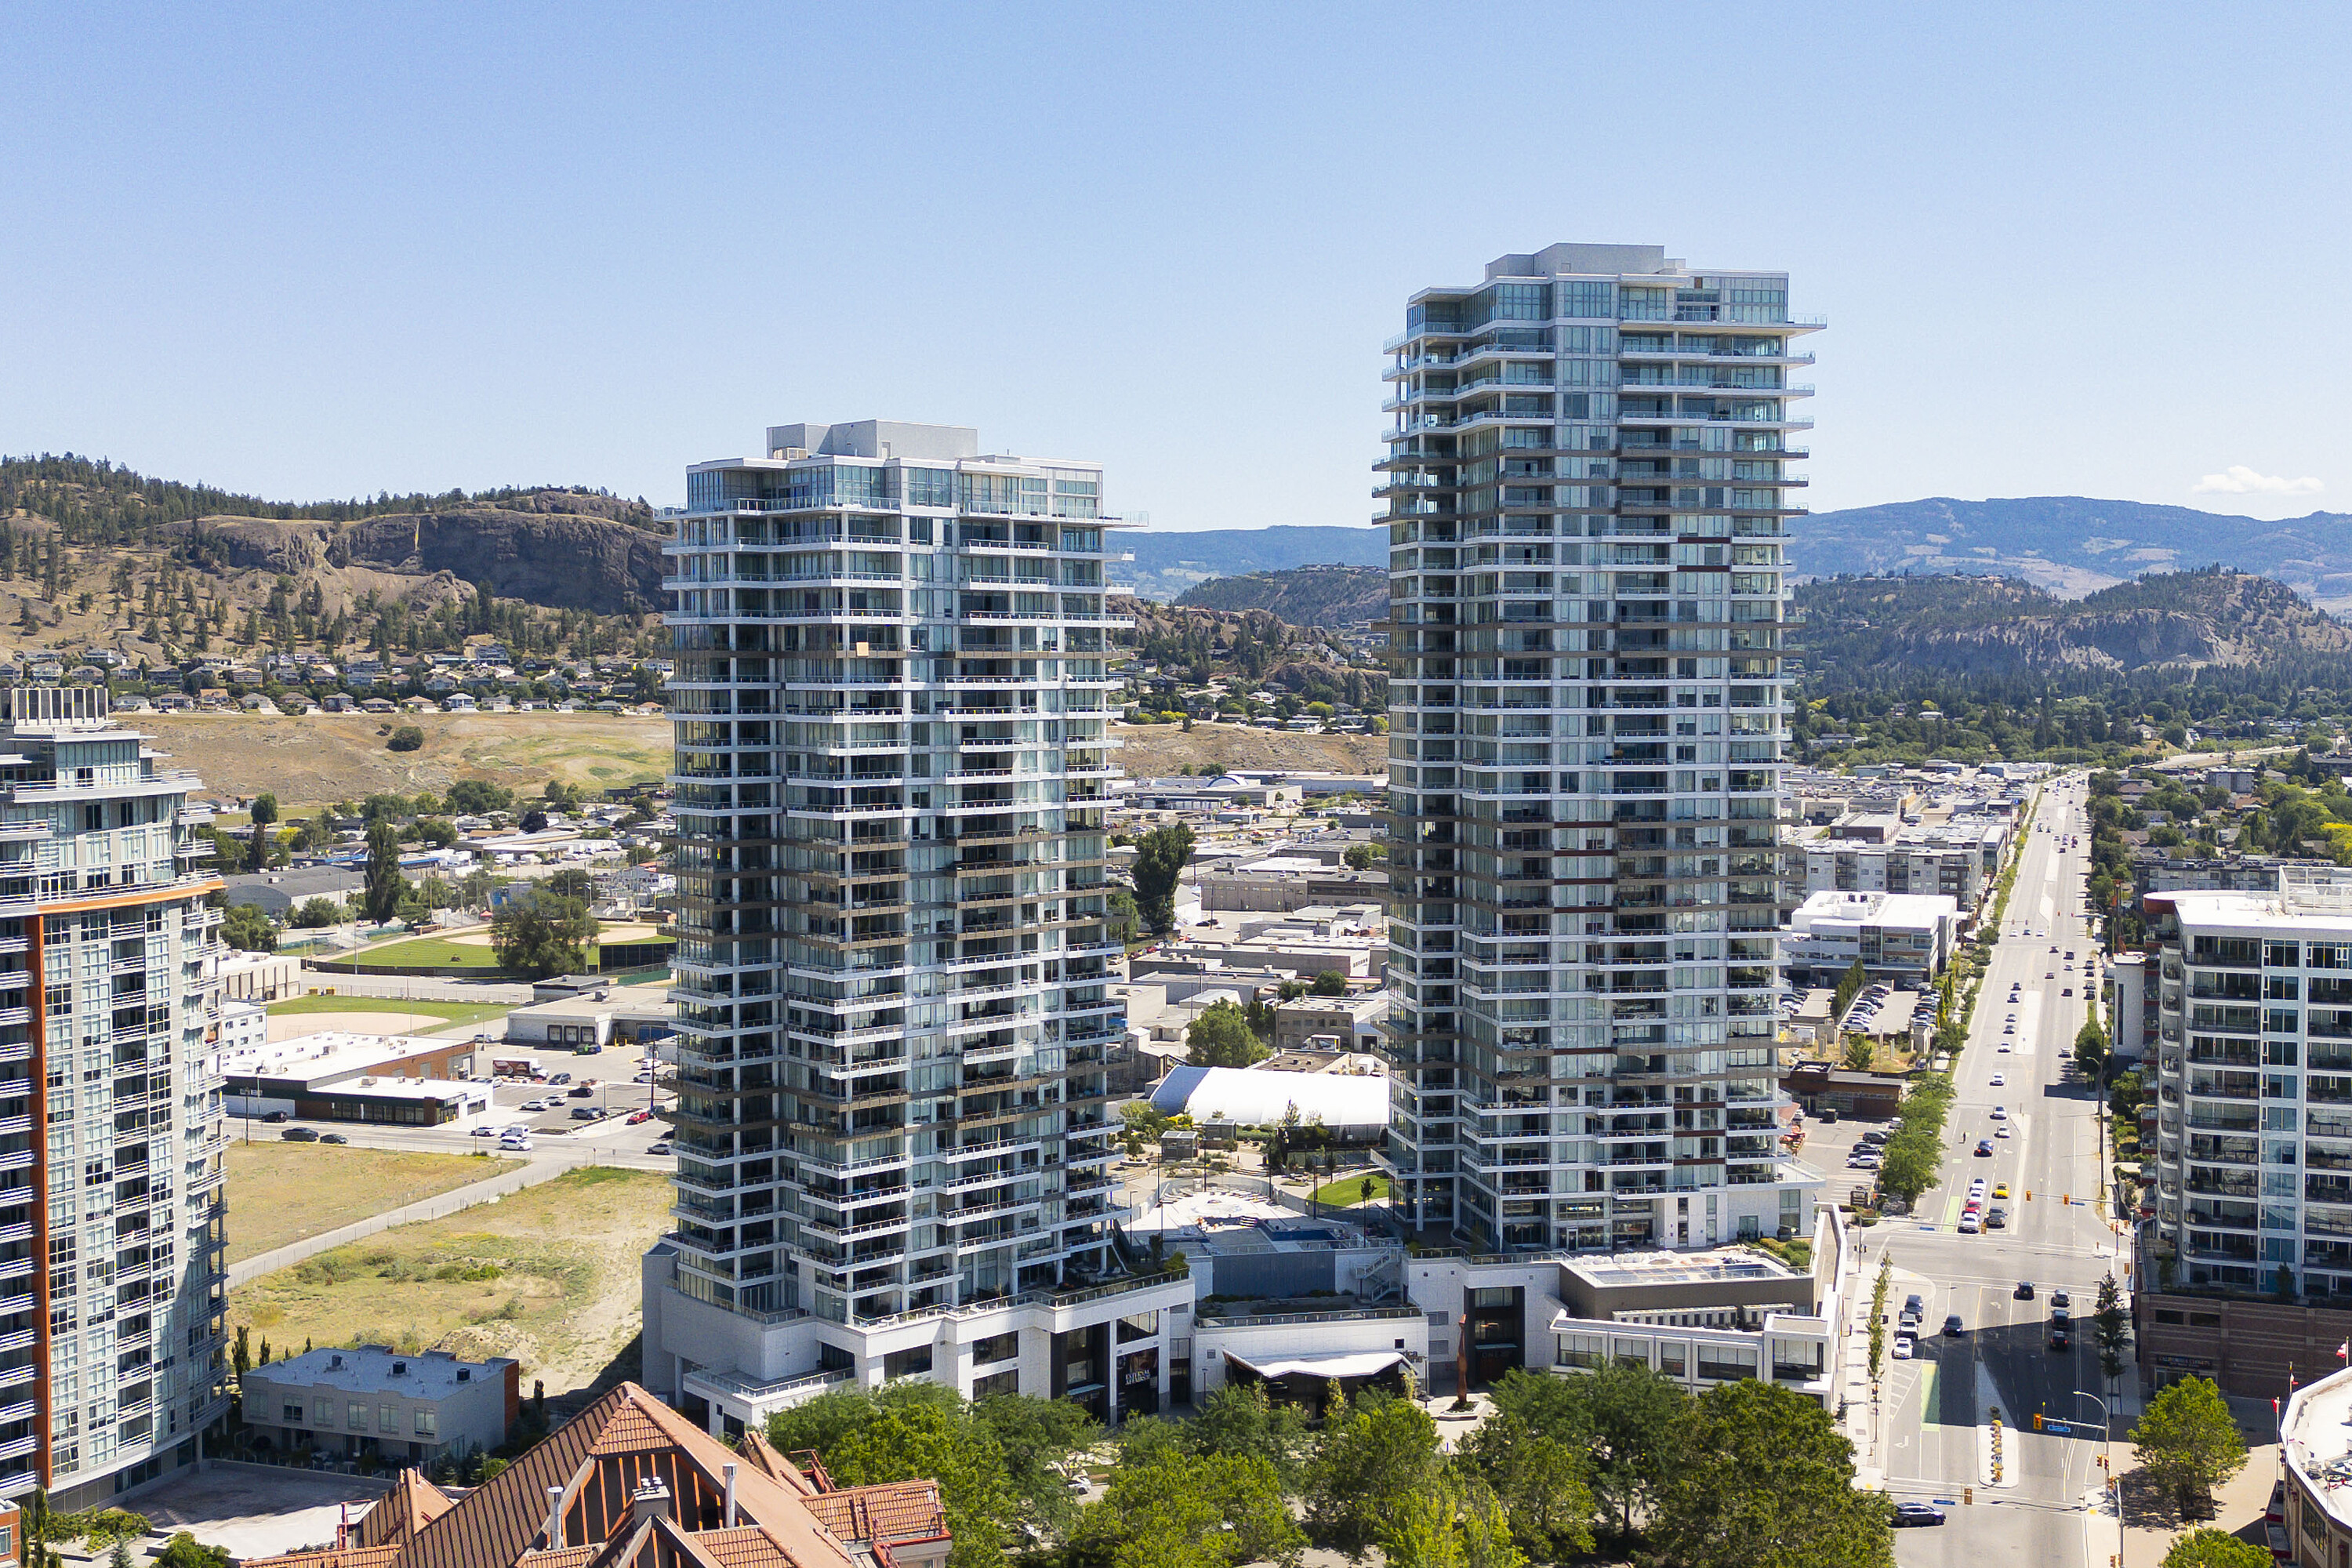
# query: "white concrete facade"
{"points": [[1587, 486], [891, 698]]}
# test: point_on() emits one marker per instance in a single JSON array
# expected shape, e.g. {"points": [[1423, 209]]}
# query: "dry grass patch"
{"points": [[548, 1275], [279, 1191]]}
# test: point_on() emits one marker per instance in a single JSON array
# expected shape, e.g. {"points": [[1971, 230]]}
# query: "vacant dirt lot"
{"points": [[313, 762], [548, 1275], [1157, 750], [279, 1191]]}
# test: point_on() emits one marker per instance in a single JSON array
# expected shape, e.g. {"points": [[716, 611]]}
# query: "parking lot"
{"points": [[1828, 1145], [607, 1093]]}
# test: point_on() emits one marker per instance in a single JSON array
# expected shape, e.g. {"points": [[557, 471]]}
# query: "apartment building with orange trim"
{"points": [[112, 1283]]}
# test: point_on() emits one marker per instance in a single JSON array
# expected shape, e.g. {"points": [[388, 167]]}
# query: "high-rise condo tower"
{"points": [[1588, 491]]}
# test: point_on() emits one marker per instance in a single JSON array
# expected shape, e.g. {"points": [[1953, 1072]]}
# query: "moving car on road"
{"points": [[1907, 1514]]}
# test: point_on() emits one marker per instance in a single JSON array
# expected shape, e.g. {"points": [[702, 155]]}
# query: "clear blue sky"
{"points": [[320, 250]]}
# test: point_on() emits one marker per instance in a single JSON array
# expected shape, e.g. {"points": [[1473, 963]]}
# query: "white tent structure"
{"points": [[1352, 1106]]}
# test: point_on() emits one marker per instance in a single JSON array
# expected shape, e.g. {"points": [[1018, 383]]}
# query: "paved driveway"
{"points": [[255, 1510]]}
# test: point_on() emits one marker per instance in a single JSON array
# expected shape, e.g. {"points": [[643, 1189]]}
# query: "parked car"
{"points": [[637, 1116], [280, 1116], [586, 1113], [561, 1078], [2024, 1291], [582, 1091], [299, 1135], [1952, 1326]]}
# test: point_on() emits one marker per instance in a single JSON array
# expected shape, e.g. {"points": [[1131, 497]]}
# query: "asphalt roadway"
{"points": [[1932, 1428]]}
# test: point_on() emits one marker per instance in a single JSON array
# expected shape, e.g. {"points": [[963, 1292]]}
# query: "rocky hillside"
{"points": [[92, 553], [1980, 627], [1302, 596], [1251, 648], [2074, 544]]}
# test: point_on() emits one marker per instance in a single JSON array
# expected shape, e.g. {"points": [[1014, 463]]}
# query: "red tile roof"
{"points": [[597, 1461], [413, 1503], [894, 1512]]}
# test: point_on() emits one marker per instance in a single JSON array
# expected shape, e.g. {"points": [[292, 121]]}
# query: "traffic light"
{"points": [[2037, 1421], [1968, 1495]]}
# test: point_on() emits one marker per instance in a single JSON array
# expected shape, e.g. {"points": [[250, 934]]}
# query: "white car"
{"points": [[1903, 1346], [486, 1131], [1999, 1113], [2001, 1131], [2000, 1081], [1971, 1226]]}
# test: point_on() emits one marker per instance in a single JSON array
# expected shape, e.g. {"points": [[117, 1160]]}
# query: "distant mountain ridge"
{"points": [[2072, 545], [1868, 630], [1337, 596], [1165, 564]]}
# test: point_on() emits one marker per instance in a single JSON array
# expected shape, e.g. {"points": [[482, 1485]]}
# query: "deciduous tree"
{"points": [[1763, 1480], [2188, 1441], [2208, 1548], [1372, 1458], [1222, 1037]]}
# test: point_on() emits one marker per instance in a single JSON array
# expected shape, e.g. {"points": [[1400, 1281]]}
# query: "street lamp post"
{"points": [[2114, 1482]]}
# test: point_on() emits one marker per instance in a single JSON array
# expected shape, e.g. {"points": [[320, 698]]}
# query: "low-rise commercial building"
{"points": [[1350, 1023], [406, 1079], [1901, 938], [374, 1400], [592, 1020], [2133, 1004]]}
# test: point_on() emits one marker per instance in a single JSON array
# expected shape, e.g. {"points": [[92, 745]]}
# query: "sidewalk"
{"points": [[2238, 1506]]}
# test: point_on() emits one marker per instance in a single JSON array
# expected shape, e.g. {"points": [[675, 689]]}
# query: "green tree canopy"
{"points": [[908, 1431], [1763, 1480], [540, 933], [1372, 1458], [1241, 1422], [407, 738], [385, 885], [1849, 987], [1331, 983], [1222, 1037], [247, 928], [2187, 1440], [2208, 1548], [1167, 1507], [1160, 858], [1532, 1452], [1037, 1439], [477, 797], [312, 913]]}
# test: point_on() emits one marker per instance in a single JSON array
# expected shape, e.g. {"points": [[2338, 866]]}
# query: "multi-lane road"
{"points": [[1932, 1424]]}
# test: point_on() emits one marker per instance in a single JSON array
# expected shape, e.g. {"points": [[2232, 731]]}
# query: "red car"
{"points": [[637, 1116]]}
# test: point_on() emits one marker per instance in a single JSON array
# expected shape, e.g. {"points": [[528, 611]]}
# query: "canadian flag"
{"points": [[2344, 1351]]}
